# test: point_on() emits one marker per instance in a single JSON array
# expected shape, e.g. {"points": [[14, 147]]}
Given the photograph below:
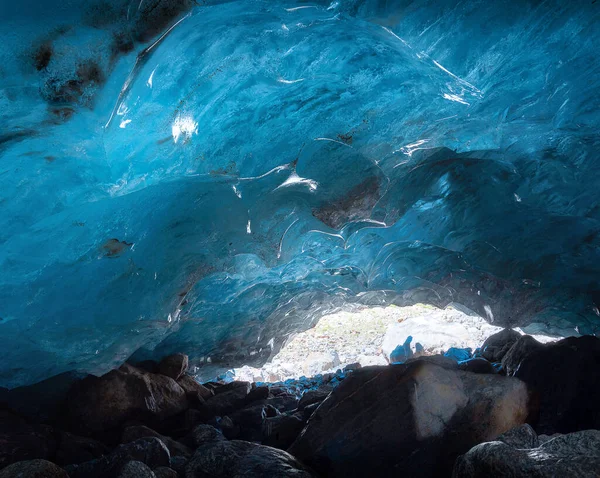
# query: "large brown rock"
{"points": [[101, 403], [193, 388], [565, 381], [410, 419], [573, 455], [174, 366], [33, 469], [238, 459]]}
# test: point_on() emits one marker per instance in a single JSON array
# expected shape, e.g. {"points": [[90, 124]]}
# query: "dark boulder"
{"points": [[258, 393], [282, 430], [153, 17], [136, 469], [174, 366], [313, 396], [249, 420], [150, 451], [204, 434], [164, 472], [42, 401], [477, 365], [576, 454], [181, 424], [100, 403], [238, 459], [33, 469], [228, 398], [195, 391], [413, 419], [73, 449], [565, 381], [498, 344], [20, 441], [134, 433], [458, 354], [150, 366], [518, 352], [228, 428]]}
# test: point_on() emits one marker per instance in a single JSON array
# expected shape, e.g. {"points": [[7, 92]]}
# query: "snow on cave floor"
{"points": [[368, 335]]}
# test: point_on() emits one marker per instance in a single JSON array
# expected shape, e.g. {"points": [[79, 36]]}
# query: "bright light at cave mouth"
{"points": [[369, 336], [246, 168]]}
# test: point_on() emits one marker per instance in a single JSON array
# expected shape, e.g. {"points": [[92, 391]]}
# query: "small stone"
{"points": [[33, 469], [173, 366]]}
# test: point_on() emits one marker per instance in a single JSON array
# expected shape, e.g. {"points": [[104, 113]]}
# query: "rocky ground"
{"points": [[368, 336], [509, 407]]}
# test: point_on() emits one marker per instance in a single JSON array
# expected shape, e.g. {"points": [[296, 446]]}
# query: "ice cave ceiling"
{"points": [[208, 177]]}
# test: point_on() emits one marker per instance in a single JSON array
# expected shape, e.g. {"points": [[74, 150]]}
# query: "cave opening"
{"points": [[299, 238]]}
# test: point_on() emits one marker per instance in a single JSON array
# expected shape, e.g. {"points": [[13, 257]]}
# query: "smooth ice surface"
{"points": [[209, 178]]}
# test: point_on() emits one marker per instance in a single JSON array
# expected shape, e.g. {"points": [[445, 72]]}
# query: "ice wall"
{"points": [[210, 177]]}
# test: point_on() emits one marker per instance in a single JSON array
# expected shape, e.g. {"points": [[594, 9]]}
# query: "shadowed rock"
{"points": [[229, 459], [497, 345], [520, 437], [150, 451], [576, 454], [21, 441], [33, 469], [136, 469], [174, 366], [101, 403], [564, 378], [518, 352], [412, 419], [134, 433]]}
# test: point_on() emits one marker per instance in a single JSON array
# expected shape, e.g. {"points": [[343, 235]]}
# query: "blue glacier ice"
{"points": [[209, 177]]}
